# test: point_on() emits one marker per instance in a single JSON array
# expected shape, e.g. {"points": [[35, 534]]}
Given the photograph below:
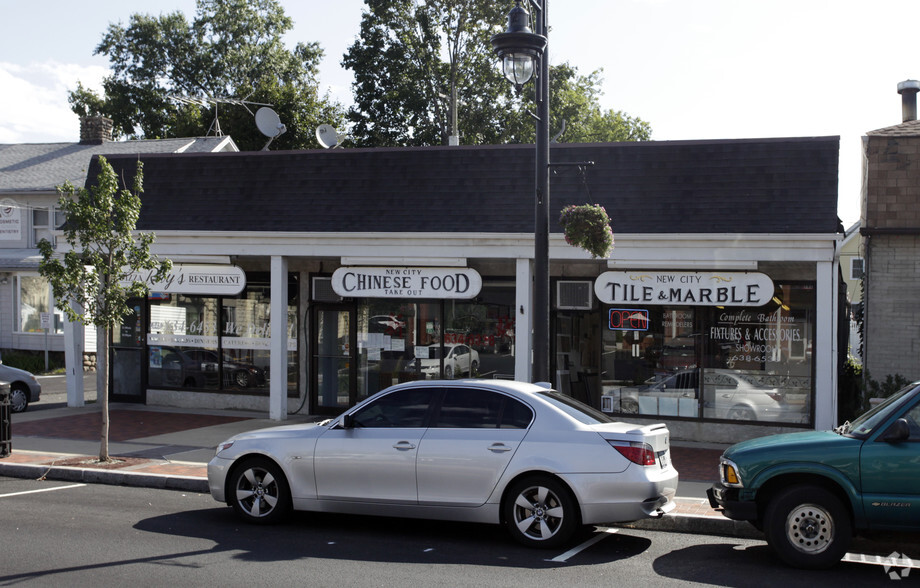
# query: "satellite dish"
{"points": [[268, 122], [327, 136]]}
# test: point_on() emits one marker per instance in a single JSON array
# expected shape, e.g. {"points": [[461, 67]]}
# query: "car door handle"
{"points": [[404, 446], [499, 448]]}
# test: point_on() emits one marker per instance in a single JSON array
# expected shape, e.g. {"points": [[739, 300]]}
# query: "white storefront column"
{"points": [[278, 385], [523, 322], [825, 347], [73, 363]]}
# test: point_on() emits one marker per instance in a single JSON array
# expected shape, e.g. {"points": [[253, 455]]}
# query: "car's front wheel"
{"points": [[808, 527], [540, 512], [19, 398], [259, 492]]}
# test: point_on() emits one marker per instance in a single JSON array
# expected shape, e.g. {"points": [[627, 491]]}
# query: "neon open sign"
{"points": [[628, 319]]}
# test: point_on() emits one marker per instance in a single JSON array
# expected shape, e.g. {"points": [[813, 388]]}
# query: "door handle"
{"points": [[499, 448], [404, 446]]}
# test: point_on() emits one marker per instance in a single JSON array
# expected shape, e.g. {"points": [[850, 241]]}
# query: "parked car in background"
{"points": [[24, 387], [727, 394], [236, 372], [485, 451], [810, 492], [459, 360]]}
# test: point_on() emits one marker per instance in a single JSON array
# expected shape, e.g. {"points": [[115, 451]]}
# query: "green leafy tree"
{"points": [[94, 278], [232, 49], [412, 56]]}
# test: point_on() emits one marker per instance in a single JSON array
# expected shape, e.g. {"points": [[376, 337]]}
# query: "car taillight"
{"points": [[775, 396], [636, 452]]}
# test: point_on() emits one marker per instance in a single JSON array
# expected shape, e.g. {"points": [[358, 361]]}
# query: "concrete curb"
{"points": [[109, 477], [699, 525]]}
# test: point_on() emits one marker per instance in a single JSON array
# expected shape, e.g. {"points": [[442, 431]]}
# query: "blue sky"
{"points": [[700, 69]]}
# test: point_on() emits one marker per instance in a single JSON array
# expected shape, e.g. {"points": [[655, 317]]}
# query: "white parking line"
{"points": [[42, 490], [896, 560], [602, 533]]}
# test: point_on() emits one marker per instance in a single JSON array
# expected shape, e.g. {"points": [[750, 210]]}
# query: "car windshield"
{"points": [[575, 409], [867, 423]]}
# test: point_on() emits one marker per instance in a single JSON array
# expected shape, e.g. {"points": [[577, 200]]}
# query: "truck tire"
{"points": [[808, 527]]}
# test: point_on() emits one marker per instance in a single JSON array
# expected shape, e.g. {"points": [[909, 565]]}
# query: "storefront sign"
{"points": [[10, 220], [624, 319], [684, 288], [214, 280], [407, 282]]}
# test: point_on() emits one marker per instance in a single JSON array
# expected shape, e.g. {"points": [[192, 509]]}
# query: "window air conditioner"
{"points": [[574, 295], [323, 292]]}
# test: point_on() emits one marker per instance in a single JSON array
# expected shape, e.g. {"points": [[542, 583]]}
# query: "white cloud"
{"points": [[34, 100]]}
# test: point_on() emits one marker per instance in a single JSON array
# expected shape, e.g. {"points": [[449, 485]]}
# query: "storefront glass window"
{"points": [[246, 337], [182, 342], [397, 342], [400, 341], [187, 349], [735, 363], [479, 335], [34, 298]]}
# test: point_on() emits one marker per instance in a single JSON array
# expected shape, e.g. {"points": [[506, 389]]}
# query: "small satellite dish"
{"points": [[327, 136], [268, 122]]}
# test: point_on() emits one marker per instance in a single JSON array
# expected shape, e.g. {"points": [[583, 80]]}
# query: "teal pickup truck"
{"points": [[810, 492]]}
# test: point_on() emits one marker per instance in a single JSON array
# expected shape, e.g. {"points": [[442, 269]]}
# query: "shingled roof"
{"points": [[910, 128], [725, 186], [41, 167]]}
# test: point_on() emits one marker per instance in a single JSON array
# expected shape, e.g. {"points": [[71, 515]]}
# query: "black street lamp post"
{"points": [[521, 50]]}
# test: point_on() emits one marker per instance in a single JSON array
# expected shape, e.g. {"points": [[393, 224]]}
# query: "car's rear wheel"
{"points": [[259, 493], [741, 413], [540, 512], [19, 398], [629, 406], [808, 527], [242, 378], [474, 368]]}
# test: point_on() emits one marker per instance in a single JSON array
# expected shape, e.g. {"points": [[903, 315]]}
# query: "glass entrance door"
{"points": [[127, 356], [334, 365]]}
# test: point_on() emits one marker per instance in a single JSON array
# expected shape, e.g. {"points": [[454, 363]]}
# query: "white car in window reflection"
{"points": [[727, 394], [493, 451], [459, 360]]}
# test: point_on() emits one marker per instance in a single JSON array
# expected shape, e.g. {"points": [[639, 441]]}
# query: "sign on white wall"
{"points": [[407, 282], [213, 280], [10, 220], [684, 288]]}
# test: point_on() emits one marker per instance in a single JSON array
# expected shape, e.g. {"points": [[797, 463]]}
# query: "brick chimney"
{"points": [[908, 90], [95, 130]]}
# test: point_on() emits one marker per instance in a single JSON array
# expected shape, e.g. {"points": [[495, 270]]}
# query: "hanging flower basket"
{"points": [[588, 226]]}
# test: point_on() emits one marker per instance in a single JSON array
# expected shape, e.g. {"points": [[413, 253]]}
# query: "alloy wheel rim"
{"points": [[538, 513], [257, 492]]}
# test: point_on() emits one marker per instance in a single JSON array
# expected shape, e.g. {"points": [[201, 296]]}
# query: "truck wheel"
{"points": [[808, 527]]}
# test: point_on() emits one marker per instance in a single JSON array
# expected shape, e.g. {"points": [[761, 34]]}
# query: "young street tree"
{"points": [[104, 253], [232, 49], [412, 56]]}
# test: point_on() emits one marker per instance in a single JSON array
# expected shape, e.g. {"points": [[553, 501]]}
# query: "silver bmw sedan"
{"points": [[486, 451]]}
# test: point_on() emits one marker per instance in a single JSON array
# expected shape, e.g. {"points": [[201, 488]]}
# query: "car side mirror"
{"points": [[897, 432], [348, 421]]}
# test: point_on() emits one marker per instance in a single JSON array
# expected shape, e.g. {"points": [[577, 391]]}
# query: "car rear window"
{"points": [[575, 409]]}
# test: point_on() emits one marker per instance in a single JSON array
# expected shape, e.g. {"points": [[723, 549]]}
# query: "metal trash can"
{"points": [[6, 412]]}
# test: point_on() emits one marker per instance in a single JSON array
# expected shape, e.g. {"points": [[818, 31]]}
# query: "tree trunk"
{"points": [[102, 388]]}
